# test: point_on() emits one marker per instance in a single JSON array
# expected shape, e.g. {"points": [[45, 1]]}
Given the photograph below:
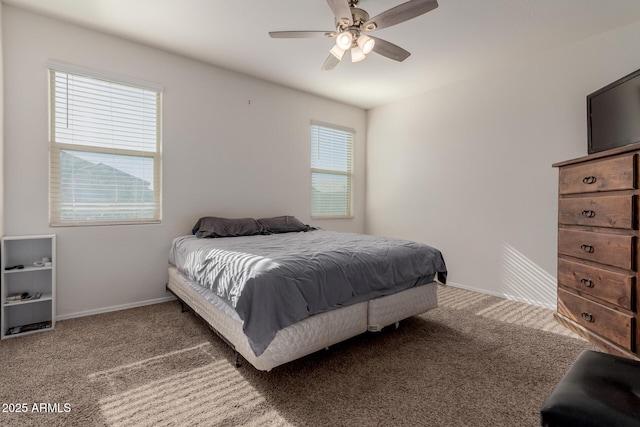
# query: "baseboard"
{"points": [[172, 298], [502, 295], [115, 308]]}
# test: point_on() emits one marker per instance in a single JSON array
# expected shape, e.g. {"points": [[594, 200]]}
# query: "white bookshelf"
{"points": [[32, 278]]}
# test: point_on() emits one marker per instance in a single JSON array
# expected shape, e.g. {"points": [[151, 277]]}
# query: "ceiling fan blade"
{"points": [[330, 63], [301, 34], [400, 13], [390, 50], [341, 10]]}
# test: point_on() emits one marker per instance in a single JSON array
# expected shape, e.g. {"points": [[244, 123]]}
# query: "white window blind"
{"points": [[105, 151], [331, 171]]}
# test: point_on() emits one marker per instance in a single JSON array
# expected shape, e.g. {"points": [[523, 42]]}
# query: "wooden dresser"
{"points": [[598, 249]]}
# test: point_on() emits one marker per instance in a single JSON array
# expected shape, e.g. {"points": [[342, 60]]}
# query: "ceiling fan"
{"points": [[351, 25]]}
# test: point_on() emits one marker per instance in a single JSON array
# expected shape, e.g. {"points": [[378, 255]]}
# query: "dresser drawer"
{"points": [[609, 211], [609, 286], [610, 249], [615, 326], [600, 175]]}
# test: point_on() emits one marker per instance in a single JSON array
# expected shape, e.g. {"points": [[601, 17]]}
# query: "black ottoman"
{"points": [[599, 390]]}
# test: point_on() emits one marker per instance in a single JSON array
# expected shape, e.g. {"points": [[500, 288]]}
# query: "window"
{"points": [[104, 149], [331, 171]]}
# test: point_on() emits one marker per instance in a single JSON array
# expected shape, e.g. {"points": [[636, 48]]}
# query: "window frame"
{"points": [[55, 148], [350, 173]]}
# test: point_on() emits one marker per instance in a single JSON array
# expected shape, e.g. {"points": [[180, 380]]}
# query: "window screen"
{"points": [[105, 151], [331, 171]]}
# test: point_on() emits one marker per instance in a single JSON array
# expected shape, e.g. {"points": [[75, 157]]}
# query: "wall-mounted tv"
{"points": [[613, 114]]}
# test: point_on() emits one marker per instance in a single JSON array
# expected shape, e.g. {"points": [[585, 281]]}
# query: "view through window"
{"points": [[105, 151], [331, 171]]}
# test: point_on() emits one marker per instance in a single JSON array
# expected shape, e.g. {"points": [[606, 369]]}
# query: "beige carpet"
{"points": [[476, 360]]}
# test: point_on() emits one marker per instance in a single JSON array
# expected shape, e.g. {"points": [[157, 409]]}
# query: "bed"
{"points": [[276, 289]]}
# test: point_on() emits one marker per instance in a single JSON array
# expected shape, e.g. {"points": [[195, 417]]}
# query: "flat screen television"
{"points": [[613, 114]]}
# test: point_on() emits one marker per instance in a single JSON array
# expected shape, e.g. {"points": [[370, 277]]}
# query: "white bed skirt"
{"points": [[311, 334]]}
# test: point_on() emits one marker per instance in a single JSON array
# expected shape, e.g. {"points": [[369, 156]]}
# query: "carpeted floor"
{"points": [[477, 360]]}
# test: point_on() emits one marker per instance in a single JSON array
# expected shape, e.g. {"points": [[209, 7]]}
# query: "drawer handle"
{"points": [[589, 179], [587, 248], [587, 316], [588, 283], [588, 214]]}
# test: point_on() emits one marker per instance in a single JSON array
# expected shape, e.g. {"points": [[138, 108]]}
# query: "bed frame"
{"points": [[309, 335]]}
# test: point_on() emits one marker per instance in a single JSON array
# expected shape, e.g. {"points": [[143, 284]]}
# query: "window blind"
{"points": [[331, 171], [105, 151]]}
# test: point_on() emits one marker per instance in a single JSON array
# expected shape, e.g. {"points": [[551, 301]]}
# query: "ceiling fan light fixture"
{"points": [[366, 43], [344, 40], [351, 23], [337, 52], [357, 54]]}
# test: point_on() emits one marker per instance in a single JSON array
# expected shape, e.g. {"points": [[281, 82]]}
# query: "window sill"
{"points": [[101, 223], [334, 217]]}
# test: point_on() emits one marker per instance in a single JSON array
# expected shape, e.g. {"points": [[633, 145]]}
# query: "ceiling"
{"points": [[459, 39]]}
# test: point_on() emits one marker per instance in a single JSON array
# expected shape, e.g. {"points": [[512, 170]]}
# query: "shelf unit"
{"points": [[34, 315]]}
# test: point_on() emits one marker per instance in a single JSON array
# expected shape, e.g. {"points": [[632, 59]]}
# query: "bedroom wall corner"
{"points": [[222, 156], [472, 174]]}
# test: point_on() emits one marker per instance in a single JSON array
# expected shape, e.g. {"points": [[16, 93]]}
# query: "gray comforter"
{"points": [[277, 280]]}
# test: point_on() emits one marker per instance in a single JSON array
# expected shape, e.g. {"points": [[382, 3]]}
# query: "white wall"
{"points": [[467, 167], [222, 156], [1, 133]]}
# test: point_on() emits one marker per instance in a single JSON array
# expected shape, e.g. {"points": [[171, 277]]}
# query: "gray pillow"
{"points": [[211, 226], [283, 224]]}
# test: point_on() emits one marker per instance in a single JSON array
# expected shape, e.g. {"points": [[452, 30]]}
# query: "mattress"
{"points": [[309, 335], [275, 281], [305, 337]]}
